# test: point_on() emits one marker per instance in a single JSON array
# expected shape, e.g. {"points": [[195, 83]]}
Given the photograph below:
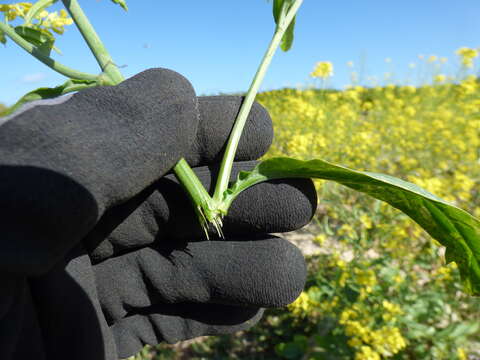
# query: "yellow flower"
{"points": [[410, 111], [46, 21], [333, 97], [347, 230], [366, 221], [365, 277], [440, 78], [466, 56], [301, 306], [354, 342], [366, 353], [323, 70], [398, 279], [461, 354], [320, 239], [391, 310], [391, 307], [12, 11], [432, 58], [42, 14], [387, 340], [346, 315], [56, 21]]}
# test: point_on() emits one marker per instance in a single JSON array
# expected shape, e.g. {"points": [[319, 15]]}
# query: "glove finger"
{"points": [[168, 215], [62, 165], [265, 272], [179, 322], [217, 115]]}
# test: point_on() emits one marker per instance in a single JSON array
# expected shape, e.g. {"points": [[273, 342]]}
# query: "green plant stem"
{"points": [[205, 208], [93, 41], [55, 65], [191, 182], [229, 155]]}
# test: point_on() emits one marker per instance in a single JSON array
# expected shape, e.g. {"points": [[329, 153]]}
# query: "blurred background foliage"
{"points": [[378, 286], [3, 108]]}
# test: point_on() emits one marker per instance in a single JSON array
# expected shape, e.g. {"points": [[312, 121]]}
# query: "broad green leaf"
{"points": [[280, 9], [37, 8], [453, 227], [48, 93], [41, 38], [122, 3]]}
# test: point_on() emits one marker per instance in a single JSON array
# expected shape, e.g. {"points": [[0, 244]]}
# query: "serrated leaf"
{"points": [[41, 38], [37, 8], [453, 227], [280, 9], [48, 93], [122, 3]]}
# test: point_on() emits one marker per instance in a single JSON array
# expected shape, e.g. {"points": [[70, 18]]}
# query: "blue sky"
{"points": [[218, 44]]}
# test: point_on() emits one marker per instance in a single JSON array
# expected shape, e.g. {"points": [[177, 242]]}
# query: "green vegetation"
{"points": [[3, 109], [378, 288]]}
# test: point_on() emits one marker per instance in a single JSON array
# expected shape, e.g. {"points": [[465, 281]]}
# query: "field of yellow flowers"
{"points": [[382, 290]]}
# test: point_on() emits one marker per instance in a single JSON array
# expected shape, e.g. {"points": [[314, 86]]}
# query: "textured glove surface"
{"points": [[62, 166], [178, 286], [112, 252]]}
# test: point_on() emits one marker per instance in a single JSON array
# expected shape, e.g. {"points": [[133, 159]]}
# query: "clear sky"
{"points": [[218, 44]]}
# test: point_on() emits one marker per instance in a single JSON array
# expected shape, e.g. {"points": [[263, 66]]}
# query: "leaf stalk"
{"points": [[207, 210], [47, 60], [232, 145], [93, 41]]}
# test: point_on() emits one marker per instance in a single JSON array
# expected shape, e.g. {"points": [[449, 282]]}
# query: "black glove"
{"points": [[100, 257]]}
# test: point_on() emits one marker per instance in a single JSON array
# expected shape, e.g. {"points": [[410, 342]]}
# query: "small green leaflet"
{"points": [[48, 93], [3, 39], [122, 3], [42, 39], [280, 9], [453, 227]]}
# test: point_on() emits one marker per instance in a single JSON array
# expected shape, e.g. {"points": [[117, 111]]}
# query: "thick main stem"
{"points": [[229, 155], [93, 41], [54, 65]]}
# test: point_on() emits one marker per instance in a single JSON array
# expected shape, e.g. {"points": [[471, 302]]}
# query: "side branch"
{"points": [[53, 64]]}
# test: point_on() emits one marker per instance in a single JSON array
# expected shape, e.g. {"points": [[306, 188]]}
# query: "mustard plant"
{"points": [[453, 227]]}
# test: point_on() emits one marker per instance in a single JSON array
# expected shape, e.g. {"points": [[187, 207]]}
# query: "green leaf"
{"points": [[37, 8], [287, 39], [48, 93], [280, 9], [41, 38], [277, 10], [122, 3], [457, 330], [453, 227], [3, 39]]}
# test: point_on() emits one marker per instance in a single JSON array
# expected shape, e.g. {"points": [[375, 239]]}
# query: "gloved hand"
{"points": [[102, 252]]}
